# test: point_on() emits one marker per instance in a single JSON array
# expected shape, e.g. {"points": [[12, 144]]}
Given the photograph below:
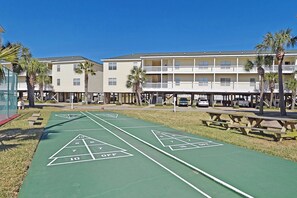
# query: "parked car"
{"points": [[183, 102], [240, 102], [202, 102]]}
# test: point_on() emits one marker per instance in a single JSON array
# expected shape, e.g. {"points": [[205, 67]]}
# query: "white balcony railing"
{"points": [[209, 87], [22, 86], [216, 69]]}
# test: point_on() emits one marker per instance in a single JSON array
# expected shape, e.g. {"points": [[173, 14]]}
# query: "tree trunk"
{"points": [[30, 88], [139, 96], [281, 86], [271, 98], [41, 91], [261, 94], [293, 99], [86, 88]]}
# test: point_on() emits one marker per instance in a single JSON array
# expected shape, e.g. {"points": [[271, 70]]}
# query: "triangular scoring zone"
{"points": [[181, 142], [83, 148], [108, 115], [68, 116]]}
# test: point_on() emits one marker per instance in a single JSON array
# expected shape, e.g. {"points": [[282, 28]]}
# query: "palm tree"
{"points": [[136, 79], [277, 43], [86, 68], [272, 79], [9, 53], [31, 66], [42, 78], [292, 85], [259, 63]]}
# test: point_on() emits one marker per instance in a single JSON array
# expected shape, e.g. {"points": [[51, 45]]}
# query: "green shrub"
{"points": [[158, 105], [118, 103]]}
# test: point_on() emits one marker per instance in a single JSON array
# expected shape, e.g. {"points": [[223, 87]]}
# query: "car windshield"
{"points": [[203, 99], [183, 99]]}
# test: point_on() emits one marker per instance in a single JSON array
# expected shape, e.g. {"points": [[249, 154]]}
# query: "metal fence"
{"points": [[8, 94]]}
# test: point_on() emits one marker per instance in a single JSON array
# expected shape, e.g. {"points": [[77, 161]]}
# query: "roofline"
{"points": [[122, 59], [211, 56], [67, 61], [199, 54]]}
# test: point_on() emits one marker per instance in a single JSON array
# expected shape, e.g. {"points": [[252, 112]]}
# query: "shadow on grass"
{"points": [[11, 138]]}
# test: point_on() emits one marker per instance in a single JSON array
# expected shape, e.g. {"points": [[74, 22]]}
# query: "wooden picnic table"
{"points": [[234, 120], [286, 126]]}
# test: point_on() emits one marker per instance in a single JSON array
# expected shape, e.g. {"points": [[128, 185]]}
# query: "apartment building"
{"points": [[219, 76], [65, 82]]}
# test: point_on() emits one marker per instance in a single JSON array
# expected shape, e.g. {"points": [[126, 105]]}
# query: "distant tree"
{"points": [[86, 69], [9, 53], [136, 79], [292, 85], [42, 78], [260, 62], [272, 79], [277, 44]]}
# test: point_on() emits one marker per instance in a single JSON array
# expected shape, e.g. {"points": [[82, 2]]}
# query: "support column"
{"points": [[211, 100], [192, 99]]}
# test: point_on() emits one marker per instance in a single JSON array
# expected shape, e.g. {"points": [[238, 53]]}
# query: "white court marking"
{"points": [[178, 159], [181, 142], [108, 115], [68, 116], [83, 148]]}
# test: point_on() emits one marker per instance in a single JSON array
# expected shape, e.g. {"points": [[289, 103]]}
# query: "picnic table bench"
{"points": [[33, 118]]}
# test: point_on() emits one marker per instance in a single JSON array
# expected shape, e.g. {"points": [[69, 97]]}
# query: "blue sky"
{"points": [[100, 29]]}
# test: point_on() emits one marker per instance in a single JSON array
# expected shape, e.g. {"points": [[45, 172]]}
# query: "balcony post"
{"points": [[173, 80], [194, 77], [161, 73], [214, 72], [237, 61]]}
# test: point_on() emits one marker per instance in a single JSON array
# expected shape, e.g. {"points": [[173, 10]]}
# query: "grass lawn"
{"points": [[17, 152], [190, 122], [18, 149]]}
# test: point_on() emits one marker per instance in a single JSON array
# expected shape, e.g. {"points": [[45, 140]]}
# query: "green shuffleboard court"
{"points": [[105, 154]]}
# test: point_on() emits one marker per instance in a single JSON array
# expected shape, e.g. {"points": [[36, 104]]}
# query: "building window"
{"points": [[203, 65], [202, 81], [58, 82], [112, 81], [225, 64], [177, 81], [58, 68], [252, 82], [75, 66], [177, 65], [112, 66], [225, 81], [76, 81]]}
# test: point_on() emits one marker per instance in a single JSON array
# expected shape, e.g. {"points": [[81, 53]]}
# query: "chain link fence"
{"points": [[8, 94]]}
